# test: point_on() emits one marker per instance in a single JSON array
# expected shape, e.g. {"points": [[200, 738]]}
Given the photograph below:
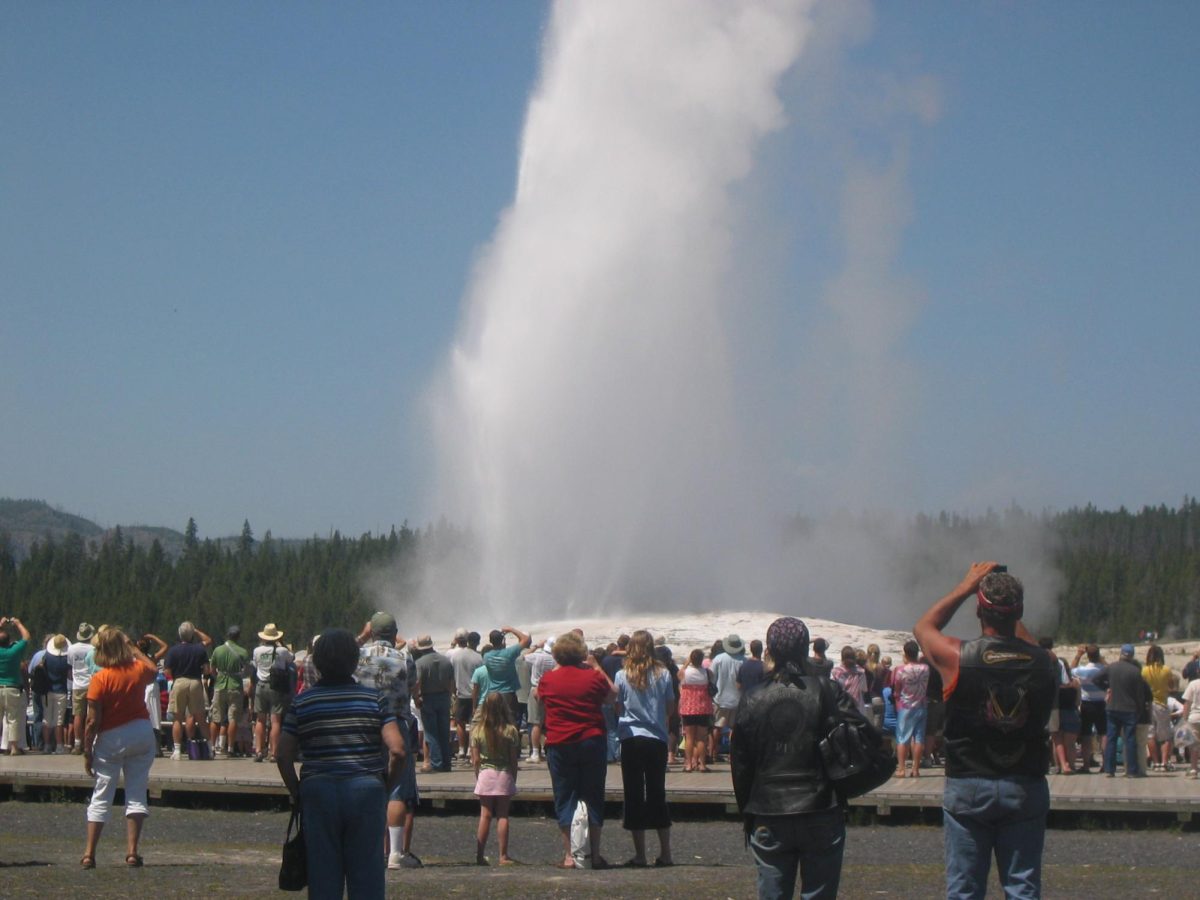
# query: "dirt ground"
{"points": [[235, 853]]}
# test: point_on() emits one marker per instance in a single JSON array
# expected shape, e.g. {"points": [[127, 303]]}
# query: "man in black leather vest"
{"points": [[999, 690]]}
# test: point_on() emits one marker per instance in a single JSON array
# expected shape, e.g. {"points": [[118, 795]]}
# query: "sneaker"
{"points": [[1170, 767], [177, 755], [1191, 773], [410, 861], [394, 860], [535, 757]]}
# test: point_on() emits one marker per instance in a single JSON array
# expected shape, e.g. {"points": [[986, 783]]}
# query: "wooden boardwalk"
{"points": [[1160, 792]]}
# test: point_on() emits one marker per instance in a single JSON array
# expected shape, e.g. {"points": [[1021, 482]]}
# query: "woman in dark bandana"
{"points": [[794, 822]]}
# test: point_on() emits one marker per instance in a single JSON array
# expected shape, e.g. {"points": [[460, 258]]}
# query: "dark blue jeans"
{"points": [[811, 843], [577, 772], [435, 716], [1125, 724], [1004, 816], [344, 819]]}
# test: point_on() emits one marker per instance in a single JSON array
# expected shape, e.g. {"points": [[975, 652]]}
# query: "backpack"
{"points": [[39, 678], [282, 677]]}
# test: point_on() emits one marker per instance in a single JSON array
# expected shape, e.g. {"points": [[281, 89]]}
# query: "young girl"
{"points": [[495, 749]]}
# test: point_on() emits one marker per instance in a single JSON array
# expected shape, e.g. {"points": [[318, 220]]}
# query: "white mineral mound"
{"points": [[683, 632]]}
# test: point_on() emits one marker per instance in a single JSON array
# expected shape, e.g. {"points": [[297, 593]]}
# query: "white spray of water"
{"points": [[588, 421], [590, 431]]}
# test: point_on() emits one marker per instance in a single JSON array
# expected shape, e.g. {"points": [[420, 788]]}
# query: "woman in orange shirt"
{"points": [[117, 738]]}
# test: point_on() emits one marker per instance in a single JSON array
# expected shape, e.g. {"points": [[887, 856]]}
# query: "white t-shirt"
{"points": [[81, 670], [264, 656], [1191, 694], [465, 662]]}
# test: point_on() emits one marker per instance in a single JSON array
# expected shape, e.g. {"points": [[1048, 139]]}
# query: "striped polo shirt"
{"points": [[338, 728]]}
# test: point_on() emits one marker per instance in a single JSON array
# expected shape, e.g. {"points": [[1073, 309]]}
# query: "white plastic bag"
{"points": [[1184, 736], [581, 849]]}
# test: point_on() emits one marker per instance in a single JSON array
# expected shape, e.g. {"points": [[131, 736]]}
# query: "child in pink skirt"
{"points": [[495, 750]]}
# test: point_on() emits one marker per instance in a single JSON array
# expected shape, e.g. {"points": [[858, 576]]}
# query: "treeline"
{"points": [[1124, 573], [1130, 572], [303, 586]]}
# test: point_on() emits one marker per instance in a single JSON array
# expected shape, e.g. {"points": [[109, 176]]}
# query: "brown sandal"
{"points": [[88, 862], [134, 861]]}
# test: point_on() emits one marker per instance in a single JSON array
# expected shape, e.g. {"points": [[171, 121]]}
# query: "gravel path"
{"points": [[233, 853]]}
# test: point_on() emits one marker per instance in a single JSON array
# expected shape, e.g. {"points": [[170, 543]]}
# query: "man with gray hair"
{"points": [[1002, 687], [465, 662], [184, 665]]}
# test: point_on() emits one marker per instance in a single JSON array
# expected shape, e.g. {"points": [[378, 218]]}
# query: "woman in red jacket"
{"points": [[573, 696]]}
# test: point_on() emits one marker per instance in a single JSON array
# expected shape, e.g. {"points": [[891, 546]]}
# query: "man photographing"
{"points": [[999, 690]]}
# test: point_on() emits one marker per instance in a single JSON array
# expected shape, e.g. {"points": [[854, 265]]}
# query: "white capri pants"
{"points": [[130, 748]]}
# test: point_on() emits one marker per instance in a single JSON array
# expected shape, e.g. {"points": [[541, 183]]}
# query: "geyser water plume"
{"points": [[586, 426]]}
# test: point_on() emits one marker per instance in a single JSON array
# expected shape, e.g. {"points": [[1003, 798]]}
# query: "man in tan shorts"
{"points": [[184, 665]]}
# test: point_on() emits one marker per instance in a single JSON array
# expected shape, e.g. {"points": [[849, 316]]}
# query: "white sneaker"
{"points": [[394, 860], [177, 755]]}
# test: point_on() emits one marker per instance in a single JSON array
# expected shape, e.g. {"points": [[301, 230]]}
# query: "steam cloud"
{"points": [[591, 424]]}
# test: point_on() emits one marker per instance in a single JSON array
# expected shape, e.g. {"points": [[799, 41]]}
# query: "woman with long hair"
{"points": [[695, 711], [646, 702], [118, 739], [495, 752], [1156, 674]]}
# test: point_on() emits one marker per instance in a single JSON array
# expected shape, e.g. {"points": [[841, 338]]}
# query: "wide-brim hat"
{"points": [[53, 647], [270, 632], [85, 632], [732, 644], [424, 642]]}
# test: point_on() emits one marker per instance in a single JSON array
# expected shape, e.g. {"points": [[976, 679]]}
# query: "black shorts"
{"points": [[1092, 718], [702, 721], [464, 709]]}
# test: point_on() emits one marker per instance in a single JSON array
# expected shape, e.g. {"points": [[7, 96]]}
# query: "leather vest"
{"points": [[996, 716]]}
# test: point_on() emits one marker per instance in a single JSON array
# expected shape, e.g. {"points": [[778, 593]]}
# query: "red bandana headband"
{"points": [[996, 609]]}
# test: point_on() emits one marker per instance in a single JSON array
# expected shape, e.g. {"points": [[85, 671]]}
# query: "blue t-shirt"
{"points": [[338, 728], [501, 667], [186, 660], [59, 670], [644, 713]]}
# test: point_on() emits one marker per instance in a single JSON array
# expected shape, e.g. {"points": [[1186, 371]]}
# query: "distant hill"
{"points": [[28, 521]]}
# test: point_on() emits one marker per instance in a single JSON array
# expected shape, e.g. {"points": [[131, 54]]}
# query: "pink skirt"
{"points": [[495, 783]]}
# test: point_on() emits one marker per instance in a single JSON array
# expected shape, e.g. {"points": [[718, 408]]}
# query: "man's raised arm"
{"points": [[941, 649]]}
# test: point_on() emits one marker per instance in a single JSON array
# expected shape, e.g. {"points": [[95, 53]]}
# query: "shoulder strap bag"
{"points": [[852, 752]]}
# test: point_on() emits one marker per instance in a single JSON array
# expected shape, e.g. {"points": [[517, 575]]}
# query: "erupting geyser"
{"points": [[587, 427]]}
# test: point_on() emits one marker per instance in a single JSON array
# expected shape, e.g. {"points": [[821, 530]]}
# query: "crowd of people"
{"points": [[358, 712]]}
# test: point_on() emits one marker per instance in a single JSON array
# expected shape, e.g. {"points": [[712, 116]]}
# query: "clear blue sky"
{"points": [[234, 240]]}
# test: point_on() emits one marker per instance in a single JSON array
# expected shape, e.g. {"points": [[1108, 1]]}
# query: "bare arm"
{"points": [[162, 646], [522, 638], [941, 649], [204, 638], [90, 730], [394, 741], [285, 761]]}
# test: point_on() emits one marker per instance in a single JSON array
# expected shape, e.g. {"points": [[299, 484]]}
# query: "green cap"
{"points": [[383, 623]]}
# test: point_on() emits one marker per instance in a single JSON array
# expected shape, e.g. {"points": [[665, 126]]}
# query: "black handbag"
{"points": [[853, 754], [293, 873]]}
